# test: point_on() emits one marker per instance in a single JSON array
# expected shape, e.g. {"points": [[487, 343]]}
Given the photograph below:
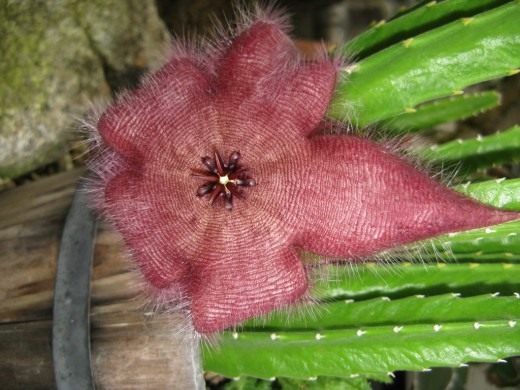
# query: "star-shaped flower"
{"points": [[218, 177]]}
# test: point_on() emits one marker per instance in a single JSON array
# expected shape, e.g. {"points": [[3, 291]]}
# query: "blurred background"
{"points": [[59, 58]]}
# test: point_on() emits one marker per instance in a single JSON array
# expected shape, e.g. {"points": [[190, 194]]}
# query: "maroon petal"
{"points": [[153, 110], [241, 263], [146, 217], [228, 289], [267, 95], [253, 58], [305, 97], [359, 199]]}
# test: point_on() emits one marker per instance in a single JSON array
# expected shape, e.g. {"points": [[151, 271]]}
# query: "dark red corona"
{"points": [[223, 180]]}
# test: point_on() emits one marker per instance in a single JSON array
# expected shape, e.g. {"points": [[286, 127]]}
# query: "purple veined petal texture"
{"points": [[363, 199], [228, 290], [146, 219], [305, 97], [151, 113], [254, 57]]}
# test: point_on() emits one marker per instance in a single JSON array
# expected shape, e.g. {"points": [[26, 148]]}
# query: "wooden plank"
{"points": [[26, 356], [29, 249], [130, 349]]}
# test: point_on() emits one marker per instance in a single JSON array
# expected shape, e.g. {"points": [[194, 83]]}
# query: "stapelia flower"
{"points": [[218, 177]]}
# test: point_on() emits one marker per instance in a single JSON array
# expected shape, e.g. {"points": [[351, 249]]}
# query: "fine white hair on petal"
{"points": [[102, 163]]}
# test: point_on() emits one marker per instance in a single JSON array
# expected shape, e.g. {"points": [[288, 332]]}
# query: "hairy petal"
{"points": [[260, 136], [151, 226], [305, 97], [149, 113], [241, 262], [361, 199], [227, 290], [254, 57], [265, 89]]}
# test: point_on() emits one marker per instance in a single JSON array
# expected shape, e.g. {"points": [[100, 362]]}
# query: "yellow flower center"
{"points": [[223, 180]]}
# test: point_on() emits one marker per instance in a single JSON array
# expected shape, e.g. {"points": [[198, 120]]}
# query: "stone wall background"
{"points": [[61, 57], [58, 58]]}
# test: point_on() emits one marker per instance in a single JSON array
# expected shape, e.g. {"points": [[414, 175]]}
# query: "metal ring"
{"points": [[71, 328]]}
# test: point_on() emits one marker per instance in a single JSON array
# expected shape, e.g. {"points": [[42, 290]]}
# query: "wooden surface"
{"points": [[131, 348]]}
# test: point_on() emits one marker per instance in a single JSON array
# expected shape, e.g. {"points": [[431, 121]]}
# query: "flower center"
{"points": [[223, 180]]}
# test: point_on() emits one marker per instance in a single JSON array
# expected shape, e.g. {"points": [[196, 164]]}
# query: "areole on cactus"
{"points": [[220, 173]]}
